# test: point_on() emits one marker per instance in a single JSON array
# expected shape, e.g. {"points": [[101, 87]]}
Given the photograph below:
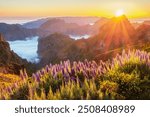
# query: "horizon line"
{"points": [[65, 16]]}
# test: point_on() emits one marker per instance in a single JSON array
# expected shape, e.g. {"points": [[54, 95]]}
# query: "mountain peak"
{"points": [[117, 32], [120, 18]]}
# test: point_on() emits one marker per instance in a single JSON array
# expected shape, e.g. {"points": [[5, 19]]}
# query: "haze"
{"points": [[106, 8]]}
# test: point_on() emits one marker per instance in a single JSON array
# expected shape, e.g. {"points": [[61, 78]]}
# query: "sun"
{"points": [[119, 12]]}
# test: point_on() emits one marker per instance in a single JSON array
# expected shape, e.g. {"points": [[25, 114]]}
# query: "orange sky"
{"points": [[106, 8]]}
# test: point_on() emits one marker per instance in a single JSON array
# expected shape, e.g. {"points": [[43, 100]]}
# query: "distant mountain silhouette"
{"points": [[57, 25], [16, 32], [80, 20], [35, 24], [115, 33], [77, 20], [46, 26], [52, 26]]}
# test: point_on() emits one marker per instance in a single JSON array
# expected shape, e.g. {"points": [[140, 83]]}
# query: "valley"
{"points": [[59, 58]]}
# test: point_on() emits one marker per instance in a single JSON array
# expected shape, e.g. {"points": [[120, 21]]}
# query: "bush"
{"points": [[125, 77]]}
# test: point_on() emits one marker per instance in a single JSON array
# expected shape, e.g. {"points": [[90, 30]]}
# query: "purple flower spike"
{"points": [[37, 77], [9, 89], [21, 76], [73, 78], [34, 76]]}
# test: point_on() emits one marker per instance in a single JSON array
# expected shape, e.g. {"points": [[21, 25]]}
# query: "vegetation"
{"points": [[127, 76]]}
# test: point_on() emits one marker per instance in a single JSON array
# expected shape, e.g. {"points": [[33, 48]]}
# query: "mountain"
{"points": [[10, 62], [35, 24], [8, 58], [76, 26], [136, 25], [61, 26], [79, 50], [96, 26], [147, 22], [16, 32], [80, 20], [100, 22], [77, 20], [118, 34], [115, 33], [51, 48], [66, 25], [143, 32], [7, 55]]}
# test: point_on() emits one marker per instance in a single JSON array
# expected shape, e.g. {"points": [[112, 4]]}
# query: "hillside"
{"points": [[143, 33], [109, 65], [50, 49], [10, 62], [115, 33], [147, 22], [13, 32], [8, 80], [127, 76]]}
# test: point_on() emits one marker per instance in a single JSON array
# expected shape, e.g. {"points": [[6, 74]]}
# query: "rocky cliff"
{"points": [[10, 62]]}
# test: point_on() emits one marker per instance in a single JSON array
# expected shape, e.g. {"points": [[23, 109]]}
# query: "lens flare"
{"points": [[119, 12]]}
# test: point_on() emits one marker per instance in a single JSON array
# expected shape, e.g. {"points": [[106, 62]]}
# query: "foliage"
{"points": [[127, 76]]}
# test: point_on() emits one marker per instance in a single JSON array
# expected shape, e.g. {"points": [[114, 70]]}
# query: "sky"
{"points": [[105, 8]]}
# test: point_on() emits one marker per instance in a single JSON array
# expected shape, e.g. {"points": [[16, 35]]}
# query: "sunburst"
{"points": [[119, 12]]}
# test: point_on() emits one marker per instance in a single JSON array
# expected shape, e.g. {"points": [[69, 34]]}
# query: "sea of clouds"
{"points": [[26, 48]]}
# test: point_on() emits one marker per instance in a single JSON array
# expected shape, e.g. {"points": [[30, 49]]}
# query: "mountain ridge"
{"points": [[115, 33]]}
